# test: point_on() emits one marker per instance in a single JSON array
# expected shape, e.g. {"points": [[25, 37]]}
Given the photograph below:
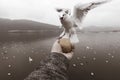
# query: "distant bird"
{"points": [[71, 22]]}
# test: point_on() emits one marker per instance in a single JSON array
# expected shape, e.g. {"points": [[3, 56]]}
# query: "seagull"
{"points": [[70, 22]]}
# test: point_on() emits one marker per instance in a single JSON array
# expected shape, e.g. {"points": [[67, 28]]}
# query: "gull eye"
{"points": [[63, 15]]}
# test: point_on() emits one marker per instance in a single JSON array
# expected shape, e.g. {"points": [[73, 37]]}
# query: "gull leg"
{"points": [[62, 34]]}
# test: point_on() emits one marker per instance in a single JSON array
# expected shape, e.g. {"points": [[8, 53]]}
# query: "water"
{"points": [[97, 56], [20, 53]]}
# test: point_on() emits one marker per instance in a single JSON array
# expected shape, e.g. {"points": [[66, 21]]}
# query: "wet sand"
{"points": [[97, 56]]}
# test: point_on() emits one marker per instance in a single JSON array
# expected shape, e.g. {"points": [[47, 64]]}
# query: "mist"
{"points": [[44, 11]]}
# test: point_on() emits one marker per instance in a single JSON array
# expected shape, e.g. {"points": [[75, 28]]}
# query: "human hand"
{"points": [[63, 46]]}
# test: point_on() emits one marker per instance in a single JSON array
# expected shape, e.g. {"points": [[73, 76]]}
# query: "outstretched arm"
{"points": [[54, 67]]}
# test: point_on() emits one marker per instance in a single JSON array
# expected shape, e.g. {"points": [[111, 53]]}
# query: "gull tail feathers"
{"points": [[73, 36], [74, 39]]}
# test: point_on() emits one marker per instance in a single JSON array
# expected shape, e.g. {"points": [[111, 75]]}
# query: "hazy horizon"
{"points": [[37, 10]]}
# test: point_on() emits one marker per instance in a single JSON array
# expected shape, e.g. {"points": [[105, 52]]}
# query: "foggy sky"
{"points": [[44, 11]]}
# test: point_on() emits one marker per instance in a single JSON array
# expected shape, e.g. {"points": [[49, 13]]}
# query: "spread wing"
{"points": [[80, 10]]}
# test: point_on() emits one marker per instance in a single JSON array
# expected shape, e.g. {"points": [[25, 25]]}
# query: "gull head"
{"points": [[63, 13]]}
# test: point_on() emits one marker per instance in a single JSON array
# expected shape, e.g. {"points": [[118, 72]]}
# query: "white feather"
{"points": [[81, 10], [69, 22]]}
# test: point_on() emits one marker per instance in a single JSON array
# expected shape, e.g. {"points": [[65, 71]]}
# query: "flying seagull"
{"points": [[71, 21]]}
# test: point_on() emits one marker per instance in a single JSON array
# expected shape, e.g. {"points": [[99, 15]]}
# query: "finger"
{"points": [[56, 47], [69, 55]]}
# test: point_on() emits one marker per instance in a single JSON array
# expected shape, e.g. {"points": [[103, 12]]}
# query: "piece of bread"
{"points": [[66, 45]]}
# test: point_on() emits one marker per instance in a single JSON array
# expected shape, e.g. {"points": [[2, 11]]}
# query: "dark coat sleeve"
{"points": [[53, 67]]}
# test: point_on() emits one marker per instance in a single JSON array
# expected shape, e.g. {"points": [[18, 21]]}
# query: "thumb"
{"points": [[56, 47]]}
